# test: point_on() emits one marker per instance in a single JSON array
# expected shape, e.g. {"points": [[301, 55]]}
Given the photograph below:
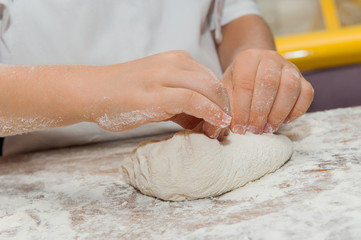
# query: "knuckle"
{"points": [[292, 65], [289, 65], [249, 53], [308, 90], [274, 54], [269, 80], [178, 55], [183, 53], [247, 86], [292, 70], [292, 83], [170, 56]]}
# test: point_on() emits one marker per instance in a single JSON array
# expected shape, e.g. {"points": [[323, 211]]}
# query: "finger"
{"points": [[266, 86], [243, 77], [199, 127], [186, 121], [287, 95], [303, 102], [228, 82], [204, 82], [222, 134], [226, 133], [181, 59], [194, 104], [211, 130]]}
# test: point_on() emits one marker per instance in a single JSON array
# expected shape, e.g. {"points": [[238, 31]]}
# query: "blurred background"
{"points": [[323, 38]]}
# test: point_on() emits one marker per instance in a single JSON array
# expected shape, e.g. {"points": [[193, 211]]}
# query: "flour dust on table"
{"points": [[190, 165]]}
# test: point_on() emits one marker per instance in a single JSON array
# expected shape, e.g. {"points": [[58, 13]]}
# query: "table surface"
{"points": [[77, 193]]}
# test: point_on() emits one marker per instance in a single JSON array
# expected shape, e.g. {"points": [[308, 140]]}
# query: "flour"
{"points": [[133, 118], [190, 165], [76, 193], [13, 126]]}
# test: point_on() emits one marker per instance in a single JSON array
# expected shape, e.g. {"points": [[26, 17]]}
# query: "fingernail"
{"points": [[226, 133], [253, 129], [268, 128], [238, 129], [226, 120]]}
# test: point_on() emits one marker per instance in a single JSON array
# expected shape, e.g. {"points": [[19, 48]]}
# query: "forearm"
{"points": [[117, 97], [247, 32], [40, 97]]}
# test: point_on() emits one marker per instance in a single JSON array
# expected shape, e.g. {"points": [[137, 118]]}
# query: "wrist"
{"points": [[97, 92], [65, 93]]}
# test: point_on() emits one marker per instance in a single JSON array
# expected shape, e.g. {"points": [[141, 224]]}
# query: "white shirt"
{"points": [[101, 32]]}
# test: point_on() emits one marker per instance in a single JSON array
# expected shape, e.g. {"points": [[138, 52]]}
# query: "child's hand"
{"points": [[265, 91], [165, 86]]}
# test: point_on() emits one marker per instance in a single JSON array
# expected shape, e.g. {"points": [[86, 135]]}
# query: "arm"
{"points": [[265, 89], [116, 97], [247, 32], [35, 98]]}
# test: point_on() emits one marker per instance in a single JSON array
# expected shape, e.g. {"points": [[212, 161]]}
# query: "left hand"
{"points": [[265, 91]]}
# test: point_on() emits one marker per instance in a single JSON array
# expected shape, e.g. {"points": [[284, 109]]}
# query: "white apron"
{"points": [[100, 32]]}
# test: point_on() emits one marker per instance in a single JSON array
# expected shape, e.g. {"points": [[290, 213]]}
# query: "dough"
{"points": [[190, 165]]}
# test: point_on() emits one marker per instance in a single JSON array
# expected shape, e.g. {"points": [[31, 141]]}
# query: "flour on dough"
{"points": [[190, 165]]}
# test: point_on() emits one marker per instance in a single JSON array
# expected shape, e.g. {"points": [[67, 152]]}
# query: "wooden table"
{"points": [[77, 193]]}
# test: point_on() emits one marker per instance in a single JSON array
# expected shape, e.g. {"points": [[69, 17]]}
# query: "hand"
{"points": [[265, 91], [165, 86]]}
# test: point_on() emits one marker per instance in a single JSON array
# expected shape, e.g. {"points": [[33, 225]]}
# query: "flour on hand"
{"points": [[190, 165]]}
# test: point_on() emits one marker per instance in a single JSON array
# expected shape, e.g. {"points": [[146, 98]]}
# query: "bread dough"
{"points": [[190, 165]]}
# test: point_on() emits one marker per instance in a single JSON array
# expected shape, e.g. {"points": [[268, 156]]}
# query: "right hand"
{"points": [[166, 86]]}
